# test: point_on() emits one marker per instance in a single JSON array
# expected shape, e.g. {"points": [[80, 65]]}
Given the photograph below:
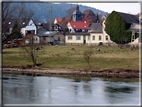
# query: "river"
{"points": [[23, 89]]}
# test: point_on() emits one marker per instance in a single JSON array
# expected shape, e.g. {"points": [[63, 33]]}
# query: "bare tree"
{"points": [[87, 54], [14, 11], [31, 49], [70, 12]]}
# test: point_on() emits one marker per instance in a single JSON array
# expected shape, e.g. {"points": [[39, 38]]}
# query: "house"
{"points": [[78, 24], [47, 37], [59, 39], [32, 38], [61, 23], [140, 17], [89, 14], [59, 20], [98, 35], [57, 27], [78, 38], [31, 27], [9, 24], [102, 18], [95, 26], [134, 24]]}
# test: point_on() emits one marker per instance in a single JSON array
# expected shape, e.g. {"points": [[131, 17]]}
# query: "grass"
{"points": [[64, 58]]}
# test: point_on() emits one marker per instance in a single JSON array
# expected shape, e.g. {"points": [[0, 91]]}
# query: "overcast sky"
{"points": [[132, 8], [110, 5], [105, 5]]}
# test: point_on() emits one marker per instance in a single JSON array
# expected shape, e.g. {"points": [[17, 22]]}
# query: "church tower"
{"points": [[77, 15]]}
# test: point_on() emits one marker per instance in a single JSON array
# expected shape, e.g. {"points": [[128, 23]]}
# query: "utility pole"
{"points": [[50, 14]]}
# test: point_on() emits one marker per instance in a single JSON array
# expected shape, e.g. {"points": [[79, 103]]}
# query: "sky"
{"points": [[105, 5], [132, 8], [109, 6]]}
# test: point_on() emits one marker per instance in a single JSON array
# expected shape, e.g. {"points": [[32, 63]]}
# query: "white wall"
{"points": [[23, 31], [31, 26], [74, 39], [70, 28]]}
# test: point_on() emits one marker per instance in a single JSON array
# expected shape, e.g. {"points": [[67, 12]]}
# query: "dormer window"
{"points": [[84, 26], [74, 26], [9, 23], [23, 23]]}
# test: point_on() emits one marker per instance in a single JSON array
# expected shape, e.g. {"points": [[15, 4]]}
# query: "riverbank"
{"points": [[104, 73], [64, 58]]}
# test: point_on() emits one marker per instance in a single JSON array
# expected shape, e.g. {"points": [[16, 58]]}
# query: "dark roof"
{"points": [[88, 12], [79, 33], [96, 26], [77, 12], [129, 18], [41, 29], [21, 22], [45, 25], [97, 31], [101, 17]]}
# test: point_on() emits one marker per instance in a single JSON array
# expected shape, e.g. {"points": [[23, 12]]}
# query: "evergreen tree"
{"points": [[66, 31], [116, 28], [96, 20], [90, 23], [16, 33]]}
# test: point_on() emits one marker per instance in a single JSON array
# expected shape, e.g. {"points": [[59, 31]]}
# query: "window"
{"points": [[9, 23], [35, 39], [93, 38], [100, 38], [78, 38], [44, 38], [69, 37], [84, 26], [106, 37], [23, 23], [74, 26], [88, 37]]}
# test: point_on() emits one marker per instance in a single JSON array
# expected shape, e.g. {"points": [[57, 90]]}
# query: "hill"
{"points": [[58, 10]]}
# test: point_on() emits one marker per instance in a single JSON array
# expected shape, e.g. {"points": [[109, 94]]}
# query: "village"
{"points": [[85, 28], [81, 39], [89, 58]]}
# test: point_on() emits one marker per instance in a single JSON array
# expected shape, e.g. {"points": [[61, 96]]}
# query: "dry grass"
{"points": [[63, 57]]}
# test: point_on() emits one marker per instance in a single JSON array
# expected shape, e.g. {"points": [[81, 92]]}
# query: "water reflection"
{"points": [[21, 89], [121, 89], [87, 88]]}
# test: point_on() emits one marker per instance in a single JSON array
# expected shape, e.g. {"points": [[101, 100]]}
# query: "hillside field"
{"points": [[64, 58]]}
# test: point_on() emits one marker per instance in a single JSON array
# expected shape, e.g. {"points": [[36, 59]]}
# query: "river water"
{"points": [[22, 89]]}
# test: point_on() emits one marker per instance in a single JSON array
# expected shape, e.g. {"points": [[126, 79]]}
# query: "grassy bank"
{"points": [[63, 57]]}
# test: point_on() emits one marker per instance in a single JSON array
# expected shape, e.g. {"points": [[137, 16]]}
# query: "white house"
{"points": [[31, 27]]}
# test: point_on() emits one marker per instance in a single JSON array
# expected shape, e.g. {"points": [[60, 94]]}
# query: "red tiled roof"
{"points": [[58, 19], [79, 25], [67, 19], [85, 19]]}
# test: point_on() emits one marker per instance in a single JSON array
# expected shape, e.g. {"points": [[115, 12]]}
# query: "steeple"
{"points": [[77, 8], [77, 15]]}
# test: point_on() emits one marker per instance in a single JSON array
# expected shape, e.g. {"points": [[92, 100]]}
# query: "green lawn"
{"points": [[63, 57]]}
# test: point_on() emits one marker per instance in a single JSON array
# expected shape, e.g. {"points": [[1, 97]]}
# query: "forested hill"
{"points": [[41, 10]]}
